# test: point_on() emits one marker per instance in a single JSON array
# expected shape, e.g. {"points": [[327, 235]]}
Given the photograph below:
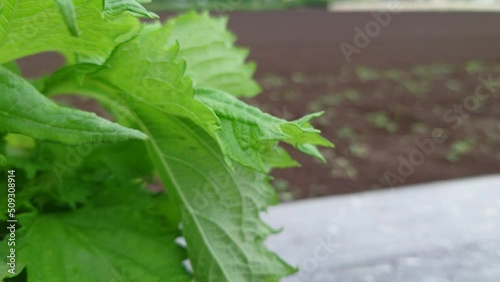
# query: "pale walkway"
{"points": [[438, 232]]}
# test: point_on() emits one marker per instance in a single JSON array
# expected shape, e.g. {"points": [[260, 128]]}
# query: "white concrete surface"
{"points": [[438, 232], [415, 6]]}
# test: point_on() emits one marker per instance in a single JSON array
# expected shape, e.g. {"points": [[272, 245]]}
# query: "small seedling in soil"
{"points": [[459, 148], [346, 132], [394, 74], [475, 67], [383, 121], [454, 85], [285, 193], [270, 81], [299, 77], [419, 128], [415, 86], [433, 70], [343, 169], [358, 150], [352, 94], [365, 74]]}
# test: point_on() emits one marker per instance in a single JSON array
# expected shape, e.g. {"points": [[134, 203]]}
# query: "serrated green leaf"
{"points": [[213, 60], [147, 69], [53, 174], [246, 130], [277, 157], [25, 111], [103, 163], [30, 26], [72, 75], [219, 206], [117, 236], [311, 150], [114, 8]]}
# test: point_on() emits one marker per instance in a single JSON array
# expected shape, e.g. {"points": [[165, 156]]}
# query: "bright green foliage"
{"points": [[114, 8], [84, 207], [24, 110], [28, 27], [213, 61], [117, 236], [153, 76], [246, 131]]}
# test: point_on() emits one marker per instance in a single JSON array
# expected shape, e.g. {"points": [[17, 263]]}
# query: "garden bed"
{"points": [[395, 91]]}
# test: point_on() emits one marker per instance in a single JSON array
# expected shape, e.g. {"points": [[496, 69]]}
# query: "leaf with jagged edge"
{"points": [[212, 59], [25, 111], [275, 156], [220, 205], [29, 27], [148, 70], [246, 130], [119, 235], [114, 8]]}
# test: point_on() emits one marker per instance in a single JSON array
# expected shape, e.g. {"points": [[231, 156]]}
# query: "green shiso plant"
{"points": [[82, 191]]}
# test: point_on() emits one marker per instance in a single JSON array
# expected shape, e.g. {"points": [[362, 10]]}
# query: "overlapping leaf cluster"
{"points": [[85, 202]]}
